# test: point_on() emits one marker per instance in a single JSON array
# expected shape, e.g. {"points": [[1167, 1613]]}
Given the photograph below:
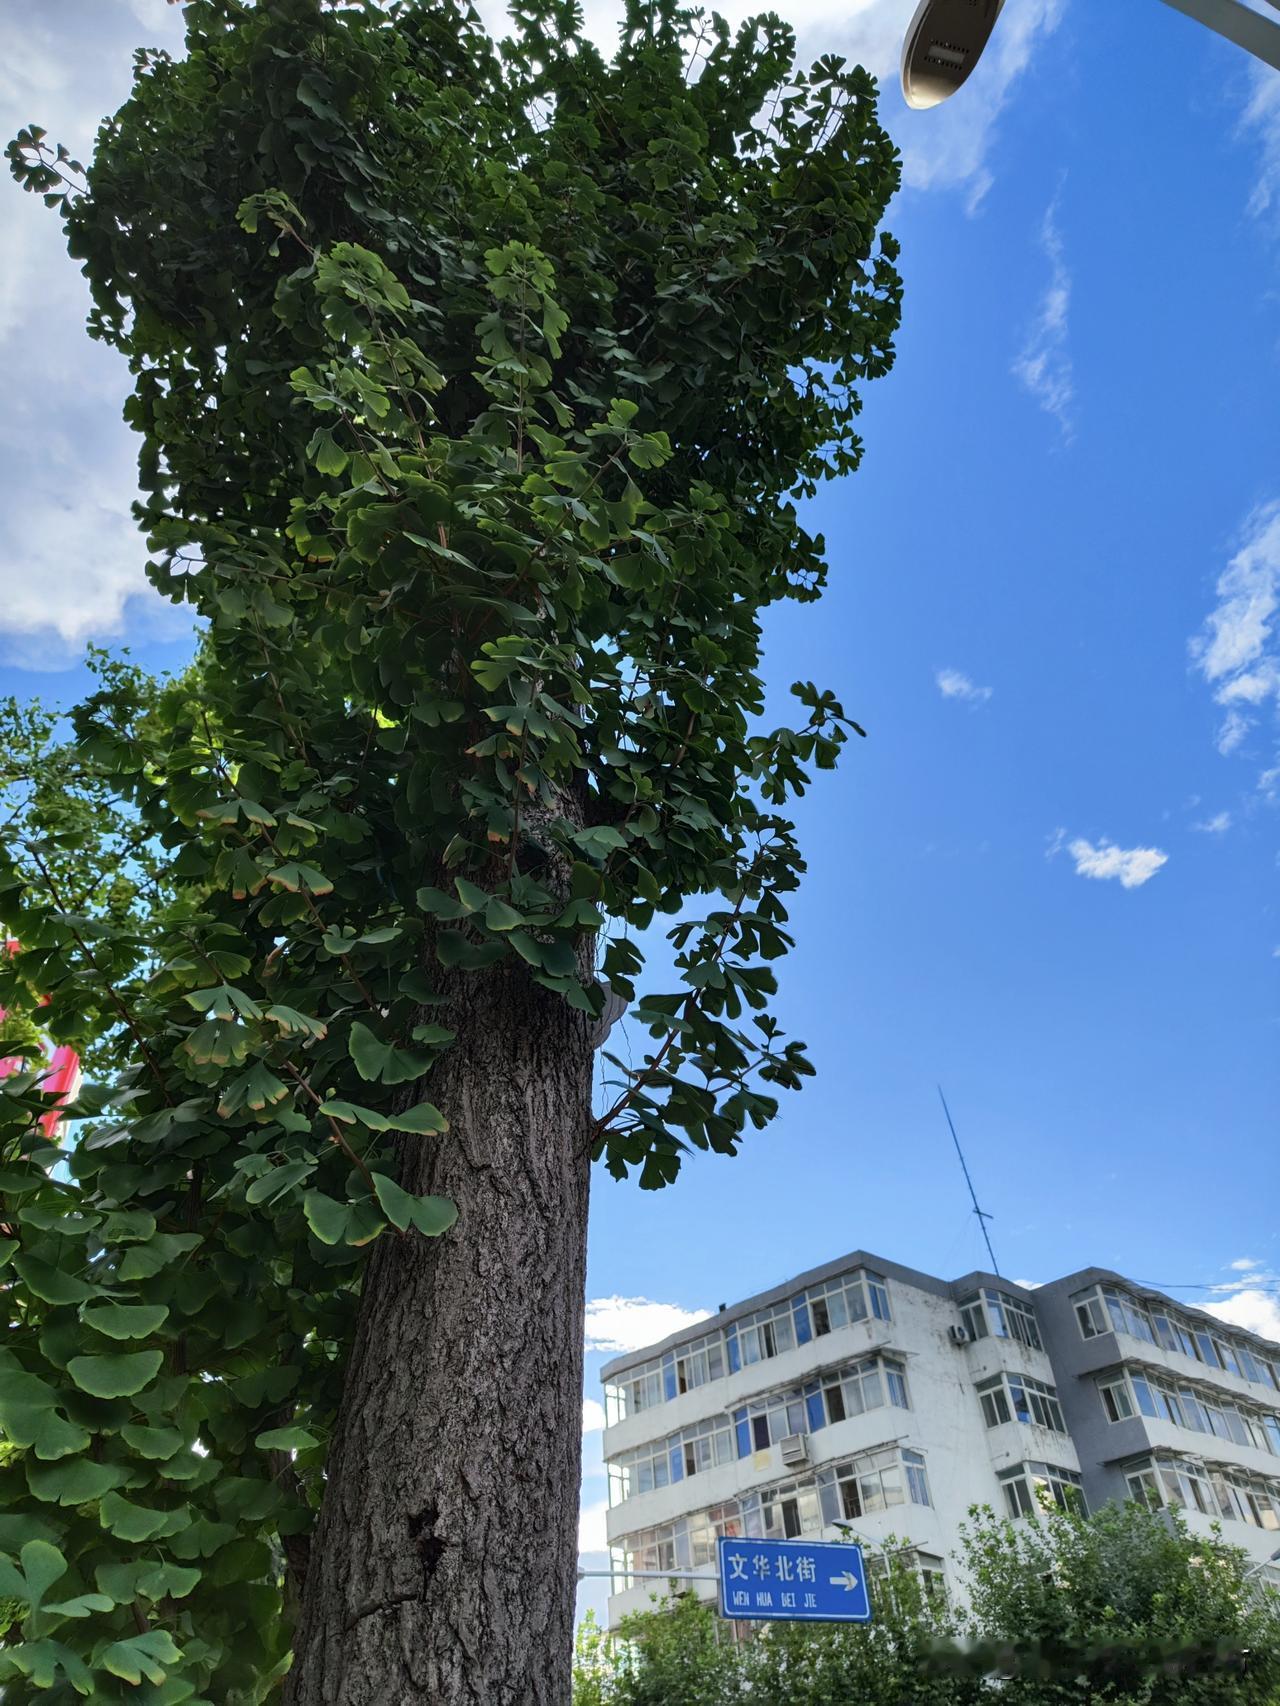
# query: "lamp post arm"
{"points": [[1238, 23]]}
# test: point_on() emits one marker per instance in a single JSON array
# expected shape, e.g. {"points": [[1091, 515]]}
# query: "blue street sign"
{"points": [[811, 1581]]}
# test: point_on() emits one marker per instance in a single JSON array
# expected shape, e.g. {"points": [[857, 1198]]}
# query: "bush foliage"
{"points": [[1125, 1607]]}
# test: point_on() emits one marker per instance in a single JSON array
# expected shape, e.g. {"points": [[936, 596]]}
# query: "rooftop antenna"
{"points": [[983, 1216]]}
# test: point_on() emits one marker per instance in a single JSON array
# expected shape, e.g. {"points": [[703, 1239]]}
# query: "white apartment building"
{"points": [[869, 1400]]}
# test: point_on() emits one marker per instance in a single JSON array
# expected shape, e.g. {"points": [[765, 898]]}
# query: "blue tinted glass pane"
{"points": [[677, 1463], [731, 1340], [1146, 1399], [817, 1410], [742, 1434], [800, 1309], [669, 1375]]}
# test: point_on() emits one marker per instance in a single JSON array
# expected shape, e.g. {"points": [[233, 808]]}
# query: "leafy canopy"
{"points": [[475, 394]]}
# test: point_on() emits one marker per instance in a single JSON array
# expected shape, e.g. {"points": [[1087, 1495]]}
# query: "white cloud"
{"points": [[1261, 121], [954, 684], [593, 1536], [1218, 824], [1249, 590], [1251, 1301], [1044, 364], [71, 557], [1231, 732], [1130, 866], [72, 561], [1238, 649], [1251, 1308], [631, 1323], [592, 1415]]}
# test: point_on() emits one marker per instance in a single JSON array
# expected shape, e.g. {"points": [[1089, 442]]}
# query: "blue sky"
{"points": [[1048, 878]]}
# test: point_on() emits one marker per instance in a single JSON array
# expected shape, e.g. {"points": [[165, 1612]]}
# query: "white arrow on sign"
{"points": [[848, 1581]]}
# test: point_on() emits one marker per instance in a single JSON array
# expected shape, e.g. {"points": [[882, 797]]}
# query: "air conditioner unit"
{"points": [[957, 1334], [794, 1448]]}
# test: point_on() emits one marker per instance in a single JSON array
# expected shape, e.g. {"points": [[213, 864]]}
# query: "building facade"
{"points": [[870, 1400]]}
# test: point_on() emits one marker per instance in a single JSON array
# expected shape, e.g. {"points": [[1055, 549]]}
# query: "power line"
{"points": [[1228, 1288], [983, 1216]]}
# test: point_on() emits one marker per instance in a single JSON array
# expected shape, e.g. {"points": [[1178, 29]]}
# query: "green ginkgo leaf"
{"points": [[42, 1564], [376, 1060], [326, 1218], [286, 1439], [155, 1443], [51, 1284], [136, 1523], [115, 1376], [126, 1320], [74, 1481], [82, 1606]]}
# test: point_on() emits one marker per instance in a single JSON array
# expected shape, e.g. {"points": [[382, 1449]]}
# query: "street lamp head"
{"points": [[943, 44]]}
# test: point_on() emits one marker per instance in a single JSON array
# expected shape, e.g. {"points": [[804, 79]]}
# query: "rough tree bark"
{"points": [[443, 1564]]}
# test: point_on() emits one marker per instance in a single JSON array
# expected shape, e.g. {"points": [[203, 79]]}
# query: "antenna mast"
{"points": [[983, 1216]]}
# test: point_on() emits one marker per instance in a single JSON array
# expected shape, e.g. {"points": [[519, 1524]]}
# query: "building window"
{"points": [[1186, 1487], [1144, 1395], [706, 1444], [851, 1391], [1236, 1429], [766, 1334], [1093, 1318], [917, 1484], [766, 1420], [639, 1388], [1192, 1415], [1144, 1488], [1170, 1405], [1206, 1349], [1002, 1316], [1032, 1486], [1250, 1366], [1128, 1316], [995, 1402], [851, 1297], [1106, 1310], [1124, 1395], [1039, 1400], [871, 1384], [1017, 1496], [782, 1512], [688, 1543], [640, 1471], [1166, 1335], [1017, 1397], [873, 1481], [1217, 1493], [699, 1362], [1116, 1400]]}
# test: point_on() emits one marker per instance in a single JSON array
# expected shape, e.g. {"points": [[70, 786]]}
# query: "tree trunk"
{"points": [[443, 1566]]}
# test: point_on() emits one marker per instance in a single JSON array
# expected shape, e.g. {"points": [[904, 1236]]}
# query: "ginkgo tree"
{"points": [[476, 390]]}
